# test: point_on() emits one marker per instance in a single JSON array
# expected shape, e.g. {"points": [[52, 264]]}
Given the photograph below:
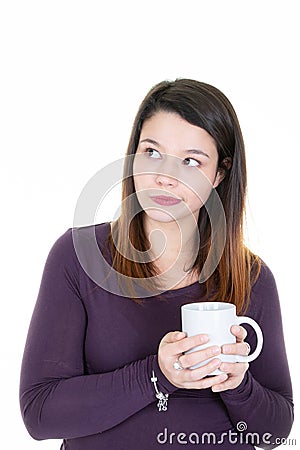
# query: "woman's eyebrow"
{"points": [[196, 151], [192, 150], [151, 141]]}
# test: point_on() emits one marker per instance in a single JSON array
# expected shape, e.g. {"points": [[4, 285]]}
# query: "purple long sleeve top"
{"points": [[89, 356]]}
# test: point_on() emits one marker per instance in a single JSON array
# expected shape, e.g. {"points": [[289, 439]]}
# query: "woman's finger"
{"points": [[234, 368], [224, 386], [188, 343], [239, 332], [241, 348], [191, 359], [206, 382]]}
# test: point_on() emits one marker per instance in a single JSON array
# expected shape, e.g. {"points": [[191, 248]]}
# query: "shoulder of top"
{"points": [[66, 242], [265, 277]]}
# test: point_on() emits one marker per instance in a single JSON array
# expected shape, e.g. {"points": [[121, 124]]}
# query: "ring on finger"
{"points": [[177, 365]]}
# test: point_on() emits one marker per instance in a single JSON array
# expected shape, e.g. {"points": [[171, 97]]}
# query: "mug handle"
{"points": [[260, 340]]}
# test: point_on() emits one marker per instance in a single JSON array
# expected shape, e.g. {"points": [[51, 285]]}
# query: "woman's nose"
{"points": [[164, 180]]}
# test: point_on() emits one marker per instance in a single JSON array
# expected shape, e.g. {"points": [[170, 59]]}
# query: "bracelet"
{"points": [[162, 398]]}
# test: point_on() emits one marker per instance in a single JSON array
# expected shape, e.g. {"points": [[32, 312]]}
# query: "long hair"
{"points": [[205, 106]]}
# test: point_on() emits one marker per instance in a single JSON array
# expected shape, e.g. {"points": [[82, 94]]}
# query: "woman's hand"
{"points": [[174, 344], [236, 370], [171, 348]]}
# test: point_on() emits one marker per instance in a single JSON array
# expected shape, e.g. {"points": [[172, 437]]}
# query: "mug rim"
{"points": [[194, 306]]}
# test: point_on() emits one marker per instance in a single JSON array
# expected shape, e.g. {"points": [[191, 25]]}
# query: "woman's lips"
{"points": [[165, 200]]}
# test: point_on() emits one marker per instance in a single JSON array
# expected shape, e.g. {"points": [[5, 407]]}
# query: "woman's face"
{"points": [[175, 167]]}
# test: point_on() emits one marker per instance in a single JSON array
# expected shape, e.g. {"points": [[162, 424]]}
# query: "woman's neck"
{"points": [[173, 243]]}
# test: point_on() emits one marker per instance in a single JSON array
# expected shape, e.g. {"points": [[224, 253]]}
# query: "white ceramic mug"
{"points": [[216, 319]]}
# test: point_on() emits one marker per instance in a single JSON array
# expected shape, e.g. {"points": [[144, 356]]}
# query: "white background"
{"points": [[72, 77]]}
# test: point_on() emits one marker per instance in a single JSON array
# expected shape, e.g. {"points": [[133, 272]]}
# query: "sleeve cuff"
{"points": [[164, 384]]}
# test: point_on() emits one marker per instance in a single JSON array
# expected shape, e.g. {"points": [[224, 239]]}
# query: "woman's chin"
{"points": [[160, 216]]}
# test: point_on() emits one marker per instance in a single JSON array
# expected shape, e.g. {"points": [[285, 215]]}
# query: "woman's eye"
{"points": [[154, 154], [194, 162]]}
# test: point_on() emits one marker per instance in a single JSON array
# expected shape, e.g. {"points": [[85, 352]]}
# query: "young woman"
{"points": [[104, 364]]}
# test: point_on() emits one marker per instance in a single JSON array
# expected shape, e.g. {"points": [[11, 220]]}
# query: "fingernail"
{"points": [[204, 338], [216, 362], [223, 377], [181, 334], [216, 350], [216, 389]]}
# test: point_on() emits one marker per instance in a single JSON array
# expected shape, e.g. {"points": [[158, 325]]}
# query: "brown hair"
{"points": [[204, 106]]}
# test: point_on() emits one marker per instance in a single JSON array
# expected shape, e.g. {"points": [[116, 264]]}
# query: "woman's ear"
{"points": [[223, 168], [219, 177]]}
